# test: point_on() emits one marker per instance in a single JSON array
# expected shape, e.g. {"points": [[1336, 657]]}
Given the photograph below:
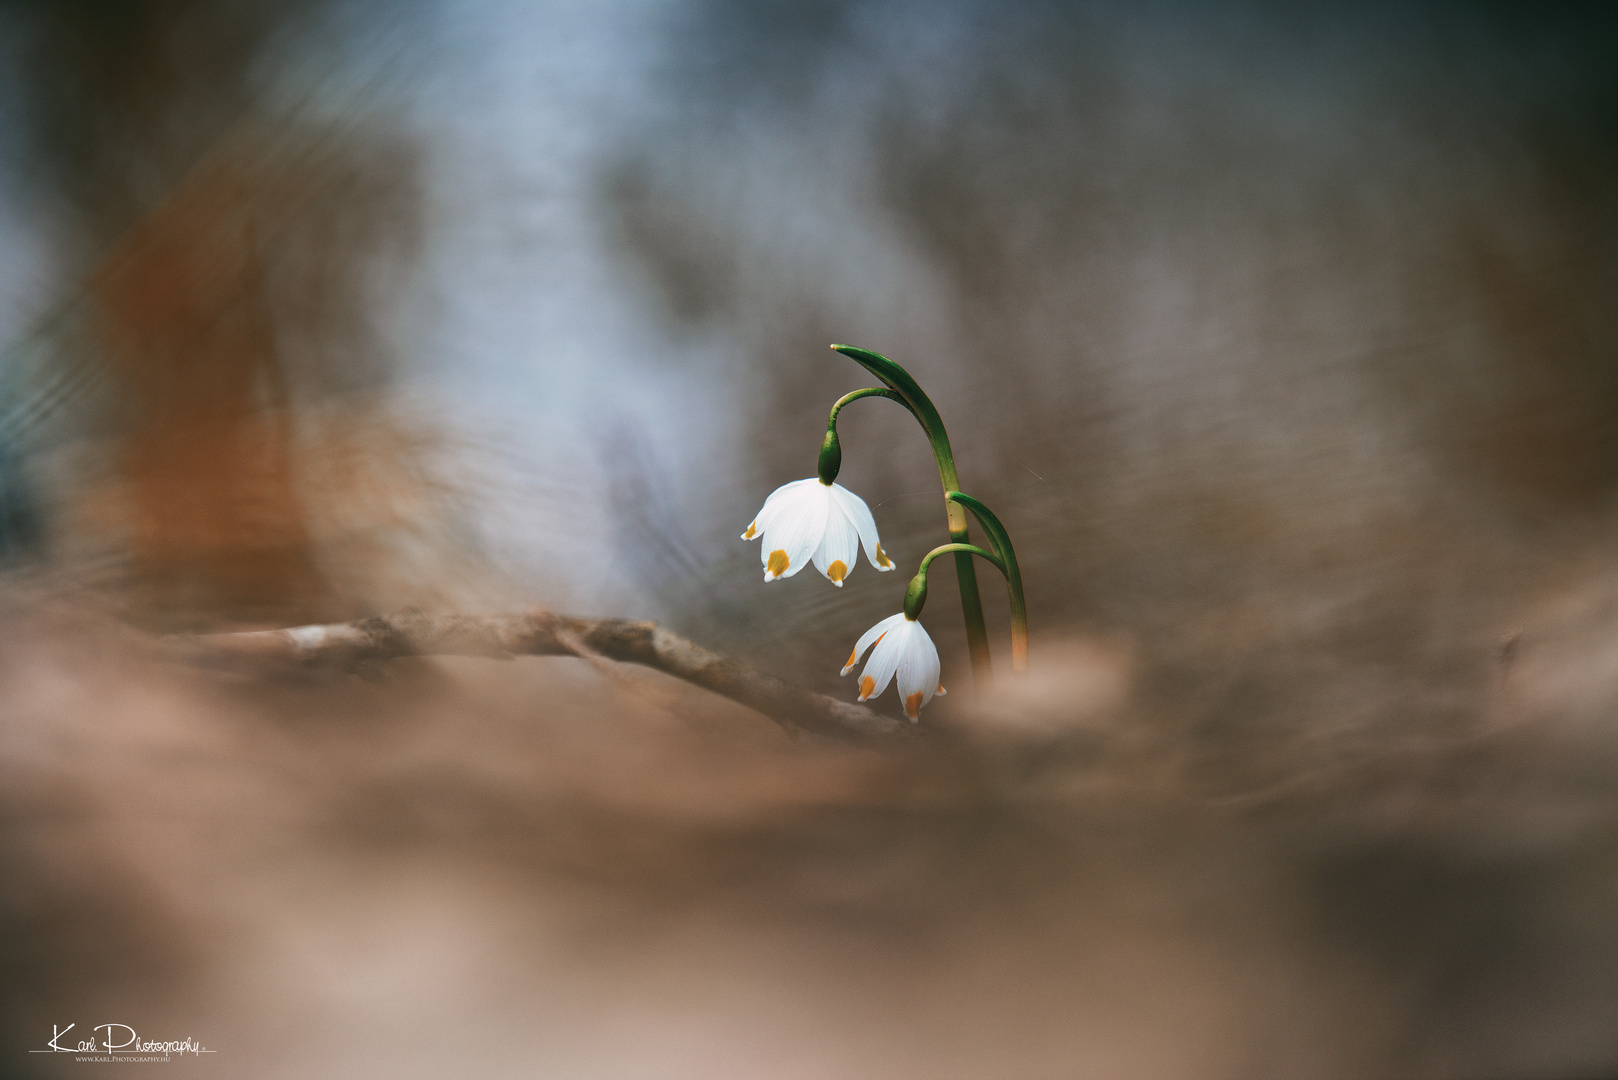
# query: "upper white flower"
{"points": [[899, 646], [807, 520]]}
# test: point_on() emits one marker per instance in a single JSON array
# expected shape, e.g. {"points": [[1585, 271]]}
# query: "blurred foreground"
{"points": [[543, 870]]}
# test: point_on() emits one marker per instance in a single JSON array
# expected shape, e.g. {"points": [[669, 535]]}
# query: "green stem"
{"points": [[916, 593], [831, 451], [1001, 541], [898, 380], [869, 391], [945, 549]]}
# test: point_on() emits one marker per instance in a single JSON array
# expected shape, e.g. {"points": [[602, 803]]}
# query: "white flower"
{"points": [[898, 646], [808, 520]]}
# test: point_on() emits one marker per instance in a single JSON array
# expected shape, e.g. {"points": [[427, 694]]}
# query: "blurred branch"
{"points": [[412, 633]]}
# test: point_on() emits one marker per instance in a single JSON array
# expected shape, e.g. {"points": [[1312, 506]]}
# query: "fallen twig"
{"points": [[411, 633]]}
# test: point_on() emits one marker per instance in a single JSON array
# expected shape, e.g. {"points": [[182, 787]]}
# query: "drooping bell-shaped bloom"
{"points": [[812, 521], [899, 646]]}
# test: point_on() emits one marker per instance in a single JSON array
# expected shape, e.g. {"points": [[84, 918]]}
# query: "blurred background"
{"points": [[1281, 337]]}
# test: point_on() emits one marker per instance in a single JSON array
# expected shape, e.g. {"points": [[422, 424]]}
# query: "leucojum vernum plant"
{"points": [[821, 522]]}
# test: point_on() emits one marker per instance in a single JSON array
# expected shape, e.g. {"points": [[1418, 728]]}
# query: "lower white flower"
{"points": [[899, 646], [811, 521]]}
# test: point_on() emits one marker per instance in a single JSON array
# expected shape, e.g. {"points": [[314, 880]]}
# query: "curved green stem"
{"points": [[971, 549], [831, 451], [898, 380], [869, 391], [1001, 541], [916, 593]]}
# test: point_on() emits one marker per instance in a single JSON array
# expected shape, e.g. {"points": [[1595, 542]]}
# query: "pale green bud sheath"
{"points": [[905, 388], [1001, 542]]}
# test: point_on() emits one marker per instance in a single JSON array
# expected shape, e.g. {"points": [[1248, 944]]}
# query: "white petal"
{"points": [[884, 659], [772, 507], [869, 638], [839, 548], [860, 515], [918, 671], [792, 487], [795, 527]]}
